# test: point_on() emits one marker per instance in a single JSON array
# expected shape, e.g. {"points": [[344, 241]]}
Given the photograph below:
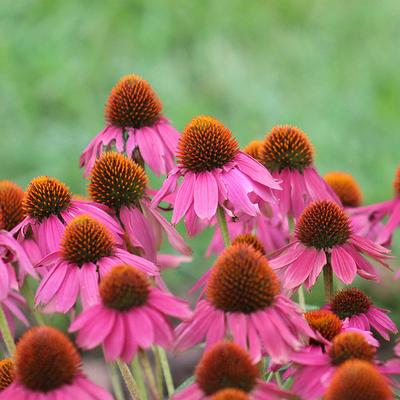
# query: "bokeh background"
{"points": [[331, 68]]}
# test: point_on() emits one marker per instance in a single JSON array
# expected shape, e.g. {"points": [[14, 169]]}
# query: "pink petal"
{"points": [[205, 195]]}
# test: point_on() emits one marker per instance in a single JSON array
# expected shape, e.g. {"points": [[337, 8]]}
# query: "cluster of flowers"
{"points": [[278, 226]]}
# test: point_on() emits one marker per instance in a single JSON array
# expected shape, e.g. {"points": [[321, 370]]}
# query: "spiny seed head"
{"points": [[46, 196], [250, 240], [242, 281], [230, 394], [133, 104], [358, 380], [396, 182], [349, 345], [116, 180], [6, 373], [226, 365], [254, 149], [206, 144], [346, 188], [349, 302], [11, 212], [323, 224], [45, 359], [325, 322], [86, 240], [124, 288], [286, 147]]}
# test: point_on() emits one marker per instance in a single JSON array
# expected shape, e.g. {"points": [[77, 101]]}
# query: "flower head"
{"points": [[325, 322], [47, 365], [131, 315], [230, 394], [254, 148], [358, 380], [11, 212], [6, 373], [346, 188], [251, 240]]}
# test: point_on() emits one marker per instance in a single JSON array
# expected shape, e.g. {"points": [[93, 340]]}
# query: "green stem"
{"points": [[223, 226], [128, 379], [27, 292], [328, 283], [116, 383], [302, 301], [5, 331], [138, 375], [278, 379], [166, 371], [149, 374], [158, 371]]}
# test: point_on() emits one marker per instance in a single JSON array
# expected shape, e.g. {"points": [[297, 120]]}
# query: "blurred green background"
{"points": [[332, 68]]}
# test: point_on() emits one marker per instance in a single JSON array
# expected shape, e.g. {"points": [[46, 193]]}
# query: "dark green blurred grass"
{"points": [[329, 67]]}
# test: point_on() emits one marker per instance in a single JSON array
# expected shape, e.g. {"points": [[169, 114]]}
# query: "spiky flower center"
{"points": [[323, 224], [124, 288], [346, 188], [358, 380], [225, 366], [242, 281], [396, 182], [249, 240], [11, 212], [45, 359], [350, 345], [254, 149], [86, 240], [116, 181], [349, 302], [325, 322], [230, 394], [6, 373], [286, 147], [46, 196], [133, 103], [206, 144]]}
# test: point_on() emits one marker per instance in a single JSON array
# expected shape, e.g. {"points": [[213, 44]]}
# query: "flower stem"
{"points": [[223, 226], [158, 371], [302, 301], [129, 381], [138, 375], [149, 374], [166, 371], [27, 292], [278, 379], [5, 331], [328, 282], [116, 383]]}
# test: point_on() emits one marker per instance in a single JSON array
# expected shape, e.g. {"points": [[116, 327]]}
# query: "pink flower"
{"points": [[244, 300], [227, 368], [135, 124], [323, 235], [374, 214], [12, 305], [352, 305], [215, 173], [131, 315], [288, 154], [14, 265], [314, 368], [49, 206], [120, 184], [87, 251], [47, 366]]}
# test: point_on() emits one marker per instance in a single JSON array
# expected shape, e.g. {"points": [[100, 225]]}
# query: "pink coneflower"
{"points": [[227, 369], [374, 214], [87, 251], [132, 315], [358, 380], [215, 173], [47, 366], [288, 154], [11, 212], [6, 373], [12, 306], [244, 300], [315, 368], [355, 306], [135, 124], [14, 264], [323, 235], [120, 184], [49, 206]]}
